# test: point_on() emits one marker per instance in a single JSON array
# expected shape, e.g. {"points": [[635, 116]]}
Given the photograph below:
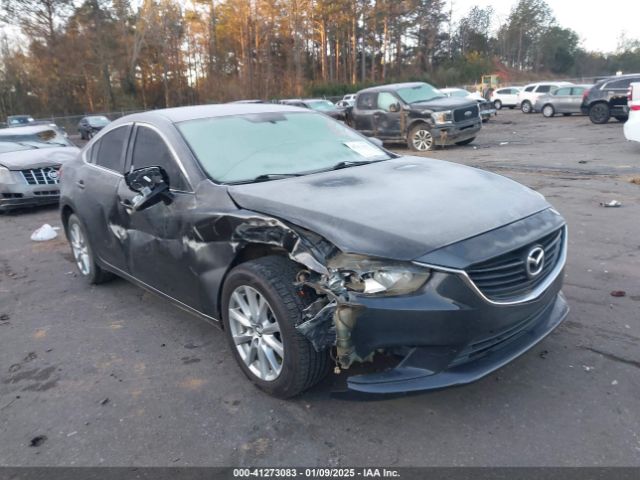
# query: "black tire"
{"points": [[94, 274], [466, 142], [512, 107], [599, 113], [497, 104], [273, 277], [621, 118], [548, 110], [526, 107], [420, 138], [566, 114]]}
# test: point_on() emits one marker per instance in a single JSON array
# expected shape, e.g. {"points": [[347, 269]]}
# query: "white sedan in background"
{"points": [[505, 97], [632, 125]]}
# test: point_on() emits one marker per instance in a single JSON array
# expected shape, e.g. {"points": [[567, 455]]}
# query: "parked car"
{"points": [[314, 247], [632, 125], [608, 98], [487, 110], [88, 126], [19, 120], [347, 101], [30, 161], [415, 113], [529, 94], [565, 100], [317, 104], [505, 97]]}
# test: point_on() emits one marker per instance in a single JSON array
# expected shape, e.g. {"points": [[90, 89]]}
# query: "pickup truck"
{"points": [[632, 126], [415, 113]]}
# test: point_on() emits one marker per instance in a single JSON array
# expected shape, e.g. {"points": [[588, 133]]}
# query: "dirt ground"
{"points": [[112, 375]]}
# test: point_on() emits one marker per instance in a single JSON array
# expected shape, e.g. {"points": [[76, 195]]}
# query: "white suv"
{"points": [[632, 125], [505, 97], [528, 96]]}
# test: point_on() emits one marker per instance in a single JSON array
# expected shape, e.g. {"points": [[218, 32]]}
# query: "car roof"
{"points": [[181, 114], [27, 129], [453, 89], [392, 86], [619, 77]]}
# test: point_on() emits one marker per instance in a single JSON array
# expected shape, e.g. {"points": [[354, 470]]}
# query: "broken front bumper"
{"points": [[451, 134], [449, 335]]}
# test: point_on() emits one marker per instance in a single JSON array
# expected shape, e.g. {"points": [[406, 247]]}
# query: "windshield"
{"points": [[12, 142], [19, 120], [419, 93], [320, 105], [98, 121], [239, 148]]}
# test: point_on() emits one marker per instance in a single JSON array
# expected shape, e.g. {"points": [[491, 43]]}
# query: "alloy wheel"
{"points": [[256, 333], [80, 249], [422, 140]]}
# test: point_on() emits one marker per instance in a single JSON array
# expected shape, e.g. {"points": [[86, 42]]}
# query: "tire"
{"points": [[526, 106], [548, 111], [566, 114], [599, 113], [81, 135], [497, 104], [83, 253], [299, 366], [512, 107], [420, 139], [466, 142]]}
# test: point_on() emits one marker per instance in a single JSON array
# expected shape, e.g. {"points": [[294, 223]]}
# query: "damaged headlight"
{"points": [[377, 277], [442, 117]]}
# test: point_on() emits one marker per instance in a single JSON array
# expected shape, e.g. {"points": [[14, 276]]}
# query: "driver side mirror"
{"points": [[394, 107], [151, 184]]}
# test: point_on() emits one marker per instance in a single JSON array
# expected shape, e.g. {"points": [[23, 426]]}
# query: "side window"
{"points": [[563, 91], [624, 83], [367, 101], [385, 100], [530, 89], [577, 90], [543, 88], [150, 150], [108, 152]]}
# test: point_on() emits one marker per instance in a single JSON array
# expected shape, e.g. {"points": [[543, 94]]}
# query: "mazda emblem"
{"points": [[534, 261]]}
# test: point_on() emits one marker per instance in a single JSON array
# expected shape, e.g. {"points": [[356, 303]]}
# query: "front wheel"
{"points": [[420, 139], [526, 107], [497, 104], [599, 113], [466, 142], [83, 253], [548, 111], [260, 310]]}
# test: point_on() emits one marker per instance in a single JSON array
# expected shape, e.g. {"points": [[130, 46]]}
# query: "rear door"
{"points": [[562, 100], [158, 252], [576, 99], [96, 202]]}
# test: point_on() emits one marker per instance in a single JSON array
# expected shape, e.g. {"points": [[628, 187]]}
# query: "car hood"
{"points": [[398, 209], [444, 103], [38, 158]]}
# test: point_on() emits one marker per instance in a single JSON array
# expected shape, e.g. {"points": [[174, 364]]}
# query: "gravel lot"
{"points": [[112, 375]]}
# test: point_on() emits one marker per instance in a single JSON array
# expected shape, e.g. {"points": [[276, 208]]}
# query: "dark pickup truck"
{"points": [[608, 98], [415, 113]]}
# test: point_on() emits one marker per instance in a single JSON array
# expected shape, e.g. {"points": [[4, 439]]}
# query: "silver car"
{"points": [[30, 161], [565, 100]]}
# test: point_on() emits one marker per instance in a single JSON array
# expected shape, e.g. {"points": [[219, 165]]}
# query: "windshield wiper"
{"points": [[265, 177], [354, 163]]}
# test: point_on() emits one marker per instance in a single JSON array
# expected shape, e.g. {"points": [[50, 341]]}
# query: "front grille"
{"points": [[460, 115], [505, 277], [47, 193], [41, 176]]}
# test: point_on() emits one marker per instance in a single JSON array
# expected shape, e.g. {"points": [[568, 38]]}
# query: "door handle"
{"points": [[80, 184]]}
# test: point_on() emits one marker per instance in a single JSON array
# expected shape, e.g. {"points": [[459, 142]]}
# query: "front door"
{"points": [[387, 117]]}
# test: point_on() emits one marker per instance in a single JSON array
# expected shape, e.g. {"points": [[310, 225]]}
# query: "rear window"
{"points": [[108, 151], [543, 89], [530, 89]]}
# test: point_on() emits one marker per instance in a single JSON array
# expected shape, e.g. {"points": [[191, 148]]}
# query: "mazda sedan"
{"points": [[313, 247]]}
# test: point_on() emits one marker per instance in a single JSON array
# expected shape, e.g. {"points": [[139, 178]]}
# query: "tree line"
{"points": [[71, 57]]}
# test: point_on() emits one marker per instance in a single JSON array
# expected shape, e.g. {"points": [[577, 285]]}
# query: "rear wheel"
{"points": [[599, 113], [497, 104], [548, 111], [526, 106], [466, 142], [420, 139], [260, 309], [83, 253]]}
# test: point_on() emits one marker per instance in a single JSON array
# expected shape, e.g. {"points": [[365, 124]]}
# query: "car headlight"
{"points": [[5, 176], [442, 117], [374, 277]]}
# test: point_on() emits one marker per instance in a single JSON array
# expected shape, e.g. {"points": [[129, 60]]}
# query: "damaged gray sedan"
{"points": [[313, 247]]}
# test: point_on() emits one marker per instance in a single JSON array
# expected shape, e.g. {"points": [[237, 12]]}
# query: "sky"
{"points": [[597, 26]]}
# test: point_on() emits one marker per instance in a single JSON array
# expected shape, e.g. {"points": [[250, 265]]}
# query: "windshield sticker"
{"points": [[364, 149]]}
